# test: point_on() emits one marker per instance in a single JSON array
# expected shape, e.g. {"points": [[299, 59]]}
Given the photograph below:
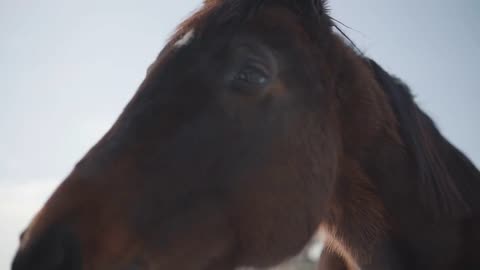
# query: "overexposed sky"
{"points": [[67, 68]]}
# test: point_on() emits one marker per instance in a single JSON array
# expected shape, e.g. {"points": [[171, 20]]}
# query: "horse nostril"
{"points": [[56, 249]]}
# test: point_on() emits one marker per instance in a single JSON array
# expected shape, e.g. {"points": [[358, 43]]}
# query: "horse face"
{"points": [[224, 157]]}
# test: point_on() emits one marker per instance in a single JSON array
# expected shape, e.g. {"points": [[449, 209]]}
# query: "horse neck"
{"points": [[397, 223], [383, 191], [443, 178]]}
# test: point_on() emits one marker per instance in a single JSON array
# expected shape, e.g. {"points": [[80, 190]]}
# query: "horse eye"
{"points": [[252, 75]]}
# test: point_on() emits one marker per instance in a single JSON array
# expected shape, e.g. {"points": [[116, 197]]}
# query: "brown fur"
{"points": [[206, 169]]}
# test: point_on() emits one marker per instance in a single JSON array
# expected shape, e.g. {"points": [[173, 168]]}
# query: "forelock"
{"points": [[313, 13]]}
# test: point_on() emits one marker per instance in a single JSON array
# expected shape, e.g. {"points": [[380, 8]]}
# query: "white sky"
{"points": [[67, 68]]}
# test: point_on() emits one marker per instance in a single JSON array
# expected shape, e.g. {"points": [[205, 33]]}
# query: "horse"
{"points": [[258, 123]]}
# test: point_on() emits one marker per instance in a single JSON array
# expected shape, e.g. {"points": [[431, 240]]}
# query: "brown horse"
{"points": [[256, 125]]}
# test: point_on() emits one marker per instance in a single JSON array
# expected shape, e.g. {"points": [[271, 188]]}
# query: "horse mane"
{"points": [[438, 189]]}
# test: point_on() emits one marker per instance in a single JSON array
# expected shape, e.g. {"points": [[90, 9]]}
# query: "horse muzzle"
{"points": [[56, 249]]}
